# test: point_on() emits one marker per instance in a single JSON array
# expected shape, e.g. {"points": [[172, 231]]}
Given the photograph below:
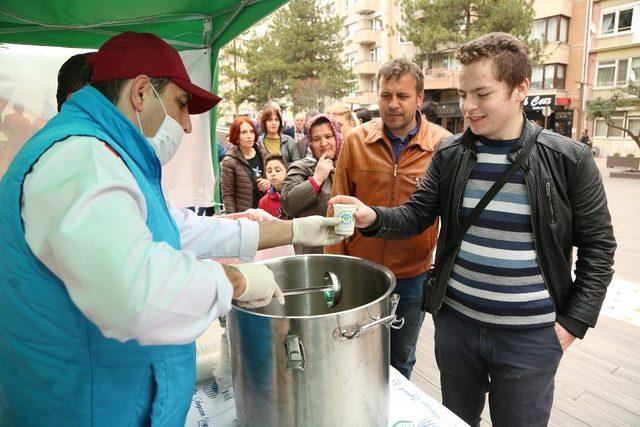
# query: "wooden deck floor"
{"points": [[598, 383]]}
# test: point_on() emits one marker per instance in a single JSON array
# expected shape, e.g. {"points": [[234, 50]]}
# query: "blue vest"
{"points": [[56, 367]]}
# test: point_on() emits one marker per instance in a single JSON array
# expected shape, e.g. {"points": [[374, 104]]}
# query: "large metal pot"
{"points": [[305, 364]]}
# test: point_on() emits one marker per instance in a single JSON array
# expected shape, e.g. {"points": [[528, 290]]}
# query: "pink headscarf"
{"points": [[337, 133]]}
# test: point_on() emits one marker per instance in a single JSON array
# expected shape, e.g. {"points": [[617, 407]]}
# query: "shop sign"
{"points": [[449, 109], [563, 101], [538, 102]]}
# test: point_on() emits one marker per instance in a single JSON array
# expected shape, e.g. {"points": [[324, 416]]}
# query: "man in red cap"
{"points": [[103, 290]]}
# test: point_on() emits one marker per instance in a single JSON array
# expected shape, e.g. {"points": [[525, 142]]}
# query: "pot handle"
{"points": [[341, 334], [294, 352]]}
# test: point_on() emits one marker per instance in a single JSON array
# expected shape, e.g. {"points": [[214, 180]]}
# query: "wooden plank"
{"points": [[567, 389], [559, 418], [618, 397], [579, 411], [622, 372], [607, 325], [608, 350], [630, 388], [610, 409], [427, 387]]}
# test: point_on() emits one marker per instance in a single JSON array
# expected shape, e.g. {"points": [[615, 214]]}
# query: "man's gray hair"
{"points": [[397, 68]]}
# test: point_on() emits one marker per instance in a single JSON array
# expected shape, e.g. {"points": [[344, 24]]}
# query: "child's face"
{"points": [[491, 108], [276, 173]]}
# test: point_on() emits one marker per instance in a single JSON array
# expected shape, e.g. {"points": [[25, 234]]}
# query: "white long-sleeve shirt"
{"points": [[85, 219]]}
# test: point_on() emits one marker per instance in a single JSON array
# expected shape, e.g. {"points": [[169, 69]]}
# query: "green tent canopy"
{"points": [[187, 24]]}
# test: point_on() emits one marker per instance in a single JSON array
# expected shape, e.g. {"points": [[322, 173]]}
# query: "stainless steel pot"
{"points": [[306, 364]]}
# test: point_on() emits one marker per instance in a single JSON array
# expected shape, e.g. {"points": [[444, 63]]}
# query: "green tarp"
{"points": [[185, 24]]}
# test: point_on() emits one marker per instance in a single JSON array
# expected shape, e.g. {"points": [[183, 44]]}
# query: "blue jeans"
{"points": [[516, 367], [404, 340]]}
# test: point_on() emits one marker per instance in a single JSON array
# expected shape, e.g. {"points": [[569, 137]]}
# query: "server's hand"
{"points": [[260, 286], [315, 230]]}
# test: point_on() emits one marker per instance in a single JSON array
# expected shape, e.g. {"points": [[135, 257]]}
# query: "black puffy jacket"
{"points": [[568, 208]]}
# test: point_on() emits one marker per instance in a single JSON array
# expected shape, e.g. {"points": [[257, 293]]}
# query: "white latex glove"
{"points": [[260, 286], [315, 230]]}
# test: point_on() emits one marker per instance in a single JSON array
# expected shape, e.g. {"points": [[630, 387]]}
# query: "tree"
{"points": [[436, 26], [301, 43], [627, 98], [232, 71]]}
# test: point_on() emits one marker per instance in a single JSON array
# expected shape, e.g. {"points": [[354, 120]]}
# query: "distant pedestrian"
{"points": [[363, 114], [430, 111]]}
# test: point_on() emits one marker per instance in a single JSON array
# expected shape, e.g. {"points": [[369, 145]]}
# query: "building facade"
{"points": [[613, 60], [371, 38]]}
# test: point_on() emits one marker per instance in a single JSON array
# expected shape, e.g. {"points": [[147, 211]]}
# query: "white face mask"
{"points": [[168, 137]]}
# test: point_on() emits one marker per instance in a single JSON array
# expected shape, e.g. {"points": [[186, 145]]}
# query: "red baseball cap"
{"points": [[130, 54]]}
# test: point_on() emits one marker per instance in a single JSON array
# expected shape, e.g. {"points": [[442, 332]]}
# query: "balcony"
{"points": [[556, 53], [367, 67], [440, 78], [616, 41], [367, 36], [365, 7], [363, 98]]}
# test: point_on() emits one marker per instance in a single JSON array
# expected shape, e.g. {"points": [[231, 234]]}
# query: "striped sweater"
{"points": [[496, 278]]}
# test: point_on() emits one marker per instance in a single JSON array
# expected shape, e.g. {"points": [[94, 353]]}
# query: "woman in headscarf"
{"points": [[243, 179], [307, 186]]}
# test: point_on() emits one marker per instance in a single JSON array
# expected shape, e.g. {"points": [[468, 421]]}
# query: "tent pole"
{"points": [[213, 115]]}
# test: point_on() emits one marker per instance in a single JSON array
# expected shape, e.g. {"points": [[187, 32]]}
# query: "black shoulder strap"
{"points": [[489, 195]]}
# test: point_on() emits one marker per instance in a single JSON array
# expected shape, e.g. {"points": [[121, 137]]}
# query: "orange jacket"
{"points": [[366, 170]]}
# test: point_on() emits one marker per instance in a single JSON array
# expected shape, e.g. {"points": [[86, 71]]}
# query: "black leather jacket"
{"points": [[568, 208]]}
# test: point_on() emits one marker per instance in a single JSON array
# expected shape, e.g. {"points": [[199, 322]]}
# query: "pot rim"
{"points": [[382, 268]]}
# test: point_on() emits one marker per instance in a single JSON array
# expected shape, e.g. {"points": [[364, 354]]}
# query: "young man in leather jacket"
{"points": [[505, 305]]}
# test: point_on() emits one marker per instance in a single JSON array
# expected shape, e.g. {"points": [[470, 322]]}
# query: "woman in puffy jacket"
{"points": [[243, 179], [307, 186], [273, 140]]}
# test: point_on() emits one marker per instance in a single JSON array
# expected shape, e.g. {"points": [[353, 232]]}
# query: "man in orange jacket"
{"points": [[382, 163]]}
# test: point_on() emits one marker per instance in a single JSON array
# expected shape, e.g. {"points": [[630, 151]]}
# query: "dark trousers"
{"points": [[405, 339], [516, 367]]}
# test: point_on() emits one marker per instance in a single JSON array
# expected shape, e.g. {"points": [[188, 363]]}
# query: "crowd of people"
{"points": [[478, 229]]}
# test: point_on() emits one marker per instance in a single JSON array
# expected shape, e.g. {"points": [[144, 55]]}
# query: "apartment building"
{"points": [[614, 60], [555, 83], [371, 38]]}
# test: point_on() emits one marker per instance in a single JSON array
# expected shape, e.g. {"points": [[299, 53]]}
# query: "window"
{"points": [[605, 131], [553, 28], [560, 72], [618, 72], [551, 76], [449, 61], [634, 125], [548, 80], [634, 74], [601, 128], [348, 4], [375, 54], [616, 21], [350, 29], [373, 85], [376, 23], [613, 132], [350, 59], [536, 77], [606, 73], [623, 65]]}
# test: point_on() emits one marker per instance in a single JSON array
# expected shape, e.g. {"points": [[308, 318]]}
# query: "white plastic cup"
{"points": [[344, 212]]}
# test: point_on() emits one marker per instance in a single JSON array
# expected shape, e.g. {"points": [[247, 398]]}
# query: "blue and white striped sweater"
{"points": [[496, 278]]}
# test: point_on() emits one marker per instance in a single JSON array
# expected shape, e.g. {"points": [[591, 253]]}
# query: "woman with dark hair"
{"points": [[243, 179], [307, 186], [273, 140]]}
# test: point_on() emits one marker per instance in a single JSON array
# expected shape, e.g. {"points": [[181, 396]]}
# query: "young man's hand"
{"points": [[364, 216], [564, 336]]}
